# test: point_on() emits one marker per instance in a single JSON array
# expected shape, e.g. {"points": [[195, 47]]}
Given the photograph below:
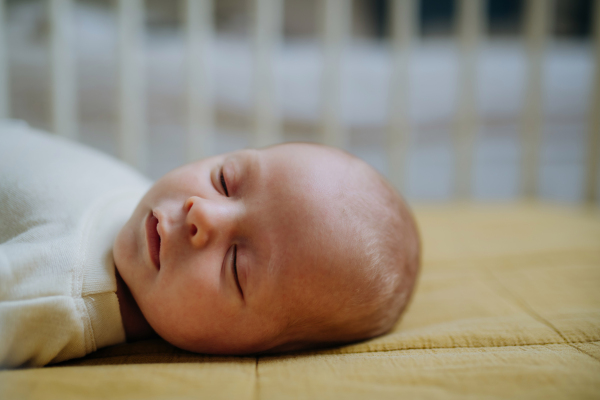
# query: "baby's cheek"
{"points": [[124, 250]]}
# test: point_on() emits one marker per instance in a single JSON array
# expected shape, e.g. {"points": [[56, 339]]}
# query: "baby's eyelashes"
{"points": [[223, 183], [235, 271]]}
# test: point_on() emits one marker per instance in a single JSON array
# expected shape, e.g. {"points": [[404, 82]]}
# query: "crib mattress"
{"points": [[507, 306]]}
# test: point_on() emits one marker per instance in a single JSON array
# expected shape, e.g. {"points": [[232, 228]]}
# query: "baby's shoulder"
{"points": [[48, 179]]}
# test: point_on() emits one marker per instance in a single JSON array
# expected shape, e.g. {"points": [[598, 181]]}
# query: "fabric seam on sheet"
{"points": [[131, 356], [256, 382]]}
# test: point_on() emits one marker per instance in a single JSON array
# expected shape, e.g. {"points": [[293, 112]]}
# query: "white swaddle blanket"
{"points": [[61, 207]]}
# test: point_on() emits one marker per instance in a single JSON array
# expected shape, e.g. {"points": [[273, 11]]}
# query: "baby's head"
{"points": [[284, 248]]}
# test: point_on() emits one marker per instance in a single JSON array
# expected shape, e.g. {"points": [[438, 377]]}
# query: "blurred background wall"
{"points": [[433, 92]]}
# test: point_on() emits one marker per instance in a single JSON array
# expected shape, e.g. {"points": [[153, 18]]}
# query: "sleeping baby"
{"points": [[290, 247]]}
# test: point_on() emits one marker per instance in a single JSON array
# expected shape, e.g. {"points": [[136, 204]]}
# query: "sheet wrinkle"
{"points": [[521, 303], [533, 260], [583, 351], [455, 347]]}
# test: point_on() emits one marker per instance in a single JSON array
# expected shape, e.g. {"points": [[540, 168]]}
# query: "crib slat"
{"points": [[268, 19], [4, 86], [64, 103], [200, 117], [591, 190], [131, 147], [404, 21], [537, 27], [336, 21], [470, 28]]}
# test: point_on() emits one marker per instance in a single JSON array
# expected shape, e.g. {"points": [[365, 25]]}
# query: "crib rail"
{"points": [[268, 31], [64, 104], [132, 140], [470, 30], [404, 19], [537, 18], [4, 88], [591, 188], [267, 34], [200, 113]]}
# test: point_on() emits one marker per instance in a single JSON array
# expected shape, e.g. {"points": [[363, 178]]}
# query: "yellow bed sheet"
{"points": [[507, 306]]}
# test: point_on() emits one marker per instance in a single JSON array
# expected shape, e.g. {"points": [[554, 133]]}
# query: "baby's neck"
{"points": [[135, 324]]}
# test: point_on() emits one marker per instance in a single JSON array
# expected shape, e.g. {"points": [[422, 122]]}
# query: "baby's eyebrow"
{"points": [[247, 166], [256, 165]]}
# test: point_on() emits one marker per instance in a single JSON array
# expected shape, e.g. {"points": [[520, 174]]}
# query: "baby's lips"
{"points": [[161, 227], [153, 238], [158, 217]]}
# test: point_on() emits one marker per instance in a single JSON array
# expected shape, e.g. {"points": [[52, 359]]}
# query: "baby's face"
{"points": [[221, 253]]}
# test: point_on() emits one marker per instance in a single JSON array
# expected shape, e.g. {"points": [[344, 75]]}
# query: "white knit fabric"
{"points": [[61, 207]]}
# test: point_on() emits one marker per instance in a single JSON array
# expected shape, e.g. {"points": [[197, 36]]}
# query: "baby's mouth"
{"points": [[153, 239]]}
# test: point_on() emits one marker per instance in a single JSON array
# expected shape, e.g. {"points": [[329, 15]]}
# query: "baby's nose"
{"points": [[204, 220], [197, 221]]}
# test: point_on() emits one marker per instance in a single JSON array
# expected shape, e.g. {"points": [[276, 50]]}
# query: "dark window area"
{"points": [[437, 17], [573, 18], [505, 17]]}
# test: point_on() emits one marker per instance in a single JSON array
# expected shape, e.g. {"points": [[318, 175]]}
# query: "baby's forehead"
{"points": [[307, 153], [310, 169], [320, 187], [313, 188]]}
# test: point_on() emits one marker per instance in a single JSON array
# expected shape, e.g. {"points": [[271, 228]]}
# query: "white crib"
{"points": [[266, 114]]}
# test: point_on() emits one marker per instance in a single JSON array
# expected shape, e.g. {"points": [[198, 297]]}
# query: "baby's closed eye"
{"points": [[223, 183]]}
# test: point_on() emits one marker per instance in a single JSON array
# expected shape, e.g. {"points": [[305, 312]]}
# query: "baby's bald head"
{"points": [[365, 261]]}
